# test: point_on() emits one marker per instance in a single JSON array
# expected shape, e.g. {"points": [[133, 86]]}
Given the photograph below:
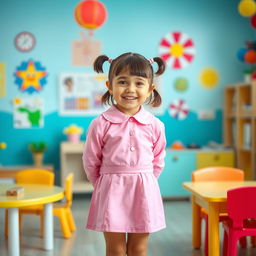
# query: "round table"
{"points": [[33, 195]]}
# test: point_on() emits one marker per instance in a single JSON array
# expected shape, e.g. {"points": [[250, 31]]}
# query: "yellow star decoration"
{"points": [[31, 77]]}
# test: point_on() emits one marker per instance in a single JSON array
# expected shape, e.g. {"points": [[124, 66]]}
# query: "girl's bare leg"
{"points": [[115, 243], [137, 244]]}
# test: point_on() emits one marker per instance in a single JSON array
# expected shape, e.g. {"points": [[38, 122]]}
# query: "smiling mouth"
{"points": [[129, 98]]}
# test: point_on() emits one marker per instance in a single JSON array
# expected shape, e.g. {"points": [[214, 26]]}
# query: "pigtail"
{"points": [[98, 63], [107, 99], [157, 100], [161, 65]]}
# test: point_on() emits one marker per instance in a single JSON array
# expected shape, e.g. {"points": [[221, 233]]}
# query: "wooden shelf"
{"points": [[239, 122], [71, 161]]}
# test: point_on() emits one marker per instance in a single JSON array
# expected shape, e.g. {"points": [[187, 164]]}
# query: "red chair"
{"points": [[241, 217], [216, 173]]}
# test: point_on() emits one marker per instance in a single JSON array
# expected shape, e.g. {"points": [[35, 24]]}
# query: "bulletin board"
{"points": [[80, 94]]}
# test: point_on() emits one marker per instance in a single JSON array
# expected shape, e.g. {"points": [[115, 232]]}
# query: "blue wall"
{"points": [[216, 28]]}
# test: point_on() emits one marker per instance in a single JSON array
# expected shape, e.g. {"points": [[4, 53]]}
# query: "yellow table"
{"points": [[33, 195], [212, 196]]}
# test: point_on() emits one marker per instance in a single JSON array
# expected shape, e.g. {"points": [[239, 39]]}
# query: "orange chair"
{"points": [[31, 176], [217, 173]]}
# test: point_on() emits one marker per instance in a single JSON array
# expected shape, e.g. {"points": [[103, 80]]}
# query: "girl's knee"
{"points": [[118, 250], [137, 249]]}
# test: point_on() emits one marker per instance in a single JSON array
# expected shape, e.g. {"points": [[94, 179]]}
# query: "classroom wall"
{"points": [[216, 28]]}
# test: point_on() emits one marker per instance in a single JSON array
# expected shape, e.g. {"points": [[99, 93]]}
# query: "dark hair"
{"points": [[137, 65], [68, 80]]}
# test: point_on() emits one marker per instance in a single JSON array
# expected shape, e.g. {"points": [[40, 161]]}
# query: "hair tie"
{"points": [[151, 61], [110, 60]]}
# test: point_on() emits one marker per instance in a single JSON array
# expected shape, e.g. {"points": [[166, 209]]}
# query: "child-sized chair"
{"points": [[31, 176], [63, 210], [241, 217], [216, 173]]}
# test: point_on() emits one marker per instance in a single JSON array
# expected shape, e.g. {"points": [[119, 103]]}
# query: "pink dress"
{"points": [[123, 157]]}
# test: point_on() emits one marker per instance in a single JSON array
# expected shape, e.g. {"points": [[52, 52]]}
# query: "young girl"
{"points": [[124, 155]]}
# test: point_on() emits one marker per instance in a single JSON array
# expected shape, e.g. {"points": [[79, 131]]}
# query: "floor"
{"points": [[175, 240]]}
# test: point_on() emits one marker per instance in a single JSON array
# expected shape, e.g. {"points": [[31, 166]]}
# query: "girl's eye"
{"points": [[122, 82], [139, 84]]}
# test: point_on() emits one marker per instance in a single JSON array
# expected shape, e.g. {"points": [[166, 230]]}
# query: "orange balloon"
{"points": [[90, 14], [77, 15], [250, 56]]}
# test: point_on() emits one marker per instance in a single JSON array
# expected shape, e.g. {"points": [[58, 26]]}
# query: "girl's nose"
{"points": [[131, 87]]}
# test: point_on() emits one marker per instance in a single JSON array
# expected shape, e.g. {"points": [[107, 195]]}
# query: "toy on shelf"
{"points": [[193, 145], [177, 145], [73, 133]]}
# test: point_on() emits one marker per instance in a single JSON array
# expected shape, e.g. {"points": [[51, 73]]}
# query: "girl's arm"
{"points": [[159, 149], [92, 154]]}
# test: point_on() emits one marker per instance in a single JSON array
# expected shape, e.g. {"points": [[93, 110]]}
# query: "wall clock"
{"points": [[25, 41]]}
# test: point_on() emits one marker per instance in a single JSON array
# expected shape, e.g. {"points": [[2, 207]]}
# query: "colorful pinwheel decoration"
{"points": [[179, 109], [177, 49]]}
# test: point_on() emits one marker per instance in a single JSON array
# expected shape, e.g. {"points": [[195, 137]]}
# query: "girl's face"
{"points": [[129, 92]]}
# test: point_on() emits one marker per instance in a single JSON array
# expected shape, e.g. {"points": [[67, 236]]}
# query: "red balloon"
{"points": [[253, 76], [253, 21], [90, 14], [250, 57]]}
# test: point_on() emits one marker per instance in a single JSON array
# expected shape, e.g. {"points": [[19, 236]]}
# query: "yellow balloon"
{"points": [[2, 145], [209, 78], [247, 8]]}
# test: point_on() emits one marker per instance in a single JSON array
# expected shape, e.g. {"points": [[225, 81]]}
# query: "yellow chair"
{"points": [[31, 176], [63, 210]]}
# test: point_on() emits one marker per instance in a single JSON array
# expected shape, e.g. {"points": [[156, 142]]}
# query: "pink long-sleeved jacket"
{"points": [[122, 158]]}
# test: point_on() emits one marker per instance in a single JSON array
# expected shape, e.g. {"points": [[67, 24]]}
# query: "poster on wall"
{"points": [[80, 94], [28, 113], [85, 51], [2, 80]]}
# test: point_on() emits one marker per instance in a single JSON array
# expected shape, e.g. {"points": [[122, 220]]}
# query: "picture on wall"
{"points": [[85, 51], [80, 93], [28, 113]]}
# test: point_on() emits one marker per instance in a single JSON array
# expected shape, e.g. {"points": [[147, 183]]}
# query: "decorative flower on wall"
{"points": [[177, 49]]}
